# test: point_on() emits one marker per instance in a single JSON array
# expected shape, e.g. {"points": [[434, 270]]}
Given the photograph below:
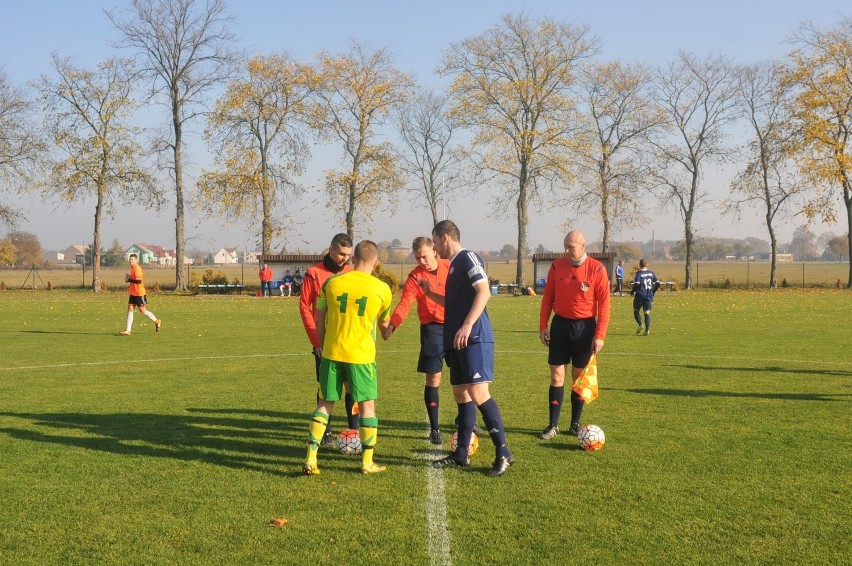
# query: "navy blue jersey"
{"points": [[645, 283], [466, 270]]}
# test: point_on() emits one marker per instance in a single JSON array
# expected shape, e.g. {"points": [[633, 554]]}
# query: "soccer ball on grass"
{"points": [[591, 437], [474, 443], [348, 442]]}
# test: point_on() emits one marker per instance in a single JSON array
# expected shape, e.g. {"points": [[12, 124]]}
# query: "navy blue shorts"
{"points": [[571, 341], [474, 364], [641, 303], [138, 301], [431, 348]]}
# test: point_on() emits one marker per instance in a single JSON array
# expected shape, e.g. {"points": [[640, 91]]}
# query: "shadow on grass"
{"points": [[257, 440], [768, 369], [713, 393]]}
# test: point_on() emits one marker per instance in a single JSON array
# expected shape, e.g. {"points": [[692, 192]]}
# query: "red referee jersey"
{"points": [[427, 310], [577, 293], [311, 284]]}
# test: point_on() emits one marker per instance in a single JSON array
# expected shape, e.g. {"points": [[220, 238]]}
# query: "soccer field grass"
{"points": [[728, 440]]}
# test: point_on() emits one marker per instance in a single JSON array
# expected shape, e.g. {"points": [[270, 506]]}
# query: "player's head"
{"points": [[643, 263], [620, 262], [444, 235], [424, 252], [340, 249], [575, 245], [133, 259], [366, 255]]}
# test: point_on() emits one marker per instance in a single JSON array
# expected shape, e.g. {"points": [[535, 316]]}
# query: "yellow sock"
{"points": [[318, 423], [368, 442]]}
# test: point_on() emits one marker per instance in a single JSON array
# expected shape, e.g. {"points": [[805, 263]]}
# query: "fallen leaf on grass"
{"points": [[278, 522]]}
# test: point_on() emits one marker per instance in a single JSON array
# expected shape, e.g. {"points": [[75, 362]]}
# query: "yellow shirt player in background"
{"points": [[348, 307], [138, 296]]}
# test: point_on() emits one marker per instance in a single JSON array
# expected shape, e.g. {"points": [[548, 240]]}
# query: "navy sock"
{"points": [[555, 395], [577, 405], [430, 397], [647, 322], [494, 423], [354, 419], [636, 316], [465, 422]]}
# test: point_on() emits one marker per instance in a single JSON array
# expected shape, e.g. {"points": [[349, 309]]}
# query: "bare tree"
{"points": [[512, 85], [185, 48], [87, 113], [770, 179], [697, 96], [610, 168], [427, 132], [21, 146]]}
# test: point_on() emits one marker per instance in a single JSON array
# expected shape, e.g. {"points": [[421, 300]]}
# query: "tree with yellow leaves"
{"points": [[21, 146], [821, 71], [257, 133], [88, 113], [512, 86], [357, 92]]}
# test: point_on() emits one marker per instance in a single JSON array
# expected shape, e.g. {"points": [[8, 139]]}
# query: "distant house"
{"points": [[152, 254], [252, 257], [226, 256], [779, 257], [144, 255], [72, 254]]}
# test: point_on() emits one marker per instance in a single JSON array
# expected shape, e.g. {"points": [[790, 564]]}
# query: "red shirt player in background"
{"points": [[577, 291], [335, 261]]}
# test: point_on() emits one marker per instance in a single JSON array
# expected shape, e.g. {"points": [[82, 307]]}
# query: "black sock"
{"points": [[636, 316], [577, 404], [431, 398], [354, 419], [465, 422], [494, 423], [647, 322], [555, 395]]}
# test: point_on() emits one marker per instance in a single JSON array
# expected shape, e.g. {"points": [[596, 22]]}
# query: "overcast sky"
{"points": [[417, 33]]}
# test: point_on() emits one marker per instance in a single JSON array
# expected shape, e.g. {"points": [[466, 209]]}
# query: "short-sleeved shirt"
{"points": [[644, 283], [352, 301], [137, 289], [466, 271]]}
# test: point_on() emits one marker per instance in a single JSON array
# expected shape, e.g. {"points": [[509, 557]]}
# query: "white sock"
{"points": [[129, 320], [151, 315]]}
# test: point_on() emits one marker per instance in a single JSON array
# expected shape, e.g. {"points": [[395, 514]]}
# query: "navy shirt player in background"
{"points": [[645, 284], [468, 347]]}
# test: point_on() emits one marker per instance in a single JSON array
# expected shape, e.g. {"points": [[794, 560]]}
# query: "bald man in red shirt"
{"points": [[577, 292]]}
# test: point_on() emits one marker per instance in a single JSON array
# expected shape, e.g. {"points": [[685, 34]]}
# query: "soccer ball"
{"points": [[348, 442], [591, 437], [474, 443]]}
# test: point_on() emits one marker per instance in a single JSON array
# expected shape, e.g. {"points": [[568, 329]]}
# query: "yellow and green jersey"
{"points": [[352, 301]]}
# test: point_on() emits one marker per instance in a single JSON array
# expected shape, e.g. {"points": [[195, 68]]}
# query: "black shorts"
{"points": [[571, 341], [431, 348], [641, 303], [138, 301]]}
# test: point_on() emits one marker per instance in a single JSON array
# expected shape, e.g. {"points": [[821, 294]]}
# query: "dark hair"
{"points": [[447, 228], [341, 240], [366, 250], [643, 262], [134, 256]]}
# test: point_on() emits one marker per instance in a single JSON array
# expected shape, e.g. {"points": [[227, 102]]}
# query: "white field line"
{"points": [[541, 353], [437, 530]]}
